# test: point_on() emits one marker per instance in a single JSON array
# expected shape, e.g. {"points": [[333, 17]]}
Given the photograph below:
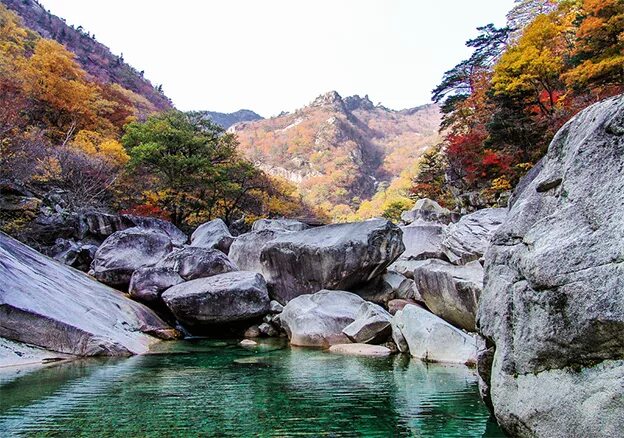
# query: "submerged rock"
{"points": [[318, 320], [192, 262], [51, 306], [365, 350], [553, 301], [432, 339], [213, 235], [125, 251], [224, 298], [468, 239], [339, 256], [451, 292]]}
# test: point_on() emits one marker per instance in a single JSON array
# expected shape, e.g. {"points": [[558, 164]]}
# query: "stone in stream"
{"points": [[338, 256], [213, 235], [395, 305], [449, 291], [318, 320], [553, 301], [123, 252], [148, 284], [192, 262], [224, 298], [279, 225], [432, 339], [365, 350], [371, 325], [467, 240], [54, 307]]}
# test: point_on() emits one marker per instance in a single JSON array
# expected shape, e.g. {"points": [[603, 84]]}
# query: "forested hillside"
{"points": [[95, 58], [341, 152], [503, 105], [73, 139]]}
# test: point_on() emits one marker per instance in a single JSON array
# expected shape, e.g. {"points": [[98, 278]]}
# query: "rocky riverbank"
{"points": [[533, 295]]}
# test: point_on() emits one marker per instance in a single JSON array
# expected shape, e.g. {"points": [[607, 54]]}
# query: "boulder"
{"points": [[427, 210], [423, 240], [214, 234], [317, 320], [123, 252], [193, 262], [224, 298], [387, 287], [246, 249], [279, 225], [338, 256], [365, 350], [468, 239], [147, 284], [553, 301], [451, 292], [275, 307], [371, 325], [54, 307], [432, 339]]}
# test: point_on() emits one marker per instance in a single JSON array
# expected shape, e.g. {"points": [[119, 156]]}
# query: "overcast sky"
{"points": [[275, 55]]}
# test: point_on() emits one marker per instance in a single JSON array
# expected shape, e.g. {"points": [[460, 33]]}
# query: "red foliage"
{"points": [[148, 210]]}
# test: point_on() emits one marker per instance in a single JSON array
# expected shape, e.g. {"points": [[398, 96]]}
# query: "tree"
{"points": [[599, 49], [193, 164]]}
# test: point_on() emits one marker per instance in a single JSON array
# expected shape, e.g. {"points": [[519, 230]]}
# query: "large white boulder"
{"points": [[432, 339], [553, 303], [338, 256], [54, 307], [449, 291], [317, 320]]}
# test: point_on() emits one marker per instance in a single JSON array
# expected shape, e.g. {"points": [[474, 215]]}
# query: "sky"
{"points": [[278, 55]]}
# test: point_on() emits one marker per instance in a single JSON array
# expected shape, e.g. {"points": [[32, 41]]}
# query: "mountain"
{"points": [[94, 57], [338, 151], [225, 120]]}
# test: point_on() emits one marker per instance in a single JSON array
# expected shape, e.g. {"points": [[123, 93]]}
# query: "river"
{"points": [[218, 388]]}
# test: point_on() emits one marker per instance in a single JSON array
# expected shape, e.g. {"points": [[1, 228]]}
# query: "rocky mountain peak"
{"points": [[356, 102], [331, 98]]}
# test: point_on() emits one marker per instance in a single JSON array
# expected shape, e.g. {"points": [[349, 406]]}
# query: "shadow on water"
{"points": [[217, 388]]}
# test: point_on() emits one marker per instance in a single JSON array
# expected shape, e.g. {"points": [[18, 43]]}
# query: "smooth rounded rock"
{"points": [[337, 257], [365, 350], [192, 262], [213, 235], [224, 298], [123, 252]]}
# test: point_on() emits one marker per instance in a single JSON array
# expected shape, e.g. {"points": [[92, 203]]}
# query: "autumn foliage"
{"points": [[503, 105]]}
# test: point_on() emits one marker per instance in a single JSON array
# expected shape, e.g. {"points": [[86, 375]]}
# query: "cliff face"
{"points": [[338, 151], [93, 56]]}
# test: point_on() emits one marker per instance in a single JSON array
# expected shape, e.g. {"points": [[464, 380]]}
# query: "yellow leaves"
{"points": [[535, 62], [93, 143], [47, 169], [53, 76]]}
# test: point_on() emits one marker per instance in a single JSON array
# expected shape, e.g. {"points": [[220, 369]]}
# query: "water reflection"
{"points": [[216, 389]]}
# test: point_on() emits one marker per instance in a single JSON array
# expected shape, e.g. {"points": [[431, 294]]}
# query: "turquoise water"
{"points": [[217, 388]]}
